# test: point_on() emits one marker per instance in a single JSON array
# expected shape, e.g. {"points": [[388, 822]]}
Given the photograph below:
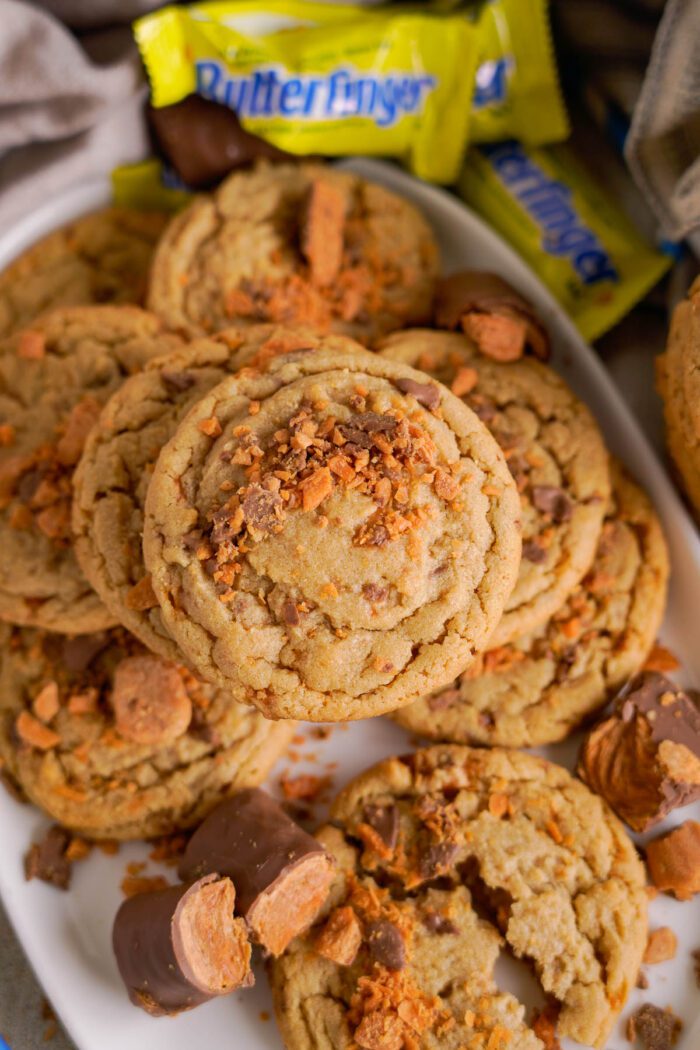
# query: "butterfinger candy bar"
{"points": [[331, 79], [282, 874], [645, 758], [490, 311], [204, 141], [566, 226], [179, 947]]}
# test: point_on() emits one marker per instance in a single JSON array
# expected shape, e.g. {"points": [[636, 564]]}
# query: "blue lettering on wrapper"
{"points": [[345, 93], [492, 82], [549, 203]]}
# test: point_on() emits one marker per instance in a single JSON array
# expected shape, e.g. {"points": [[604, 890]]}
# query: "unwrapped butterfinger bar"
{"points": [[179, 947], [490, 311], [282, 874]]}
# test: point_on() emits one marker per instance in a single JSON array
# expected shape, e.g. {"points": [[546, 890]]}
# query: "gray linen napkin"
{"points": [[69, 107]]}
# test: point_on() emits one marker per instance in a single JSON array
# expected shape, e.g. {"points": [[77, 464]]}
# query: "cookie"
{"points": [[296, 244], [555, 453], [113, 742], [54, 379], [443, 855], [679, 386], [540, 687], [112, 478], [331, 534], [101, 258]]}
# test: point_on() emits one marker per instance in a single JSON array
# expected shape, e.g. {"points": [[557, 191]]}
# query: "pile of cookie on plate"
{"points": [[315, 480]]}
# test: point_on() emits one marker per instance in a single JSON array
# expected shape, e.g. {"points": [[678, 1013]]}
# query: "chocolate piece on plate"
{"points": [[645, 758], [179, 947], [281, 873]]}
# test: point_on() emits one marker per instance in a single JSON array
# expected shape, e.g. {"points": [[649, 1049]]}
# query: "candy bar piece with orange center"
{"points": [[282, 874], [179, 947], [645, 758], [501, 322]]}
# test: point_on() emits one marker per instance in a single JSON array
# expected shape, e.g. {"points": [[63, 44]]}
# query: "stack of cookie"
{"points": [[591, 589], [149, 468], [677, 379], [268, 498]]}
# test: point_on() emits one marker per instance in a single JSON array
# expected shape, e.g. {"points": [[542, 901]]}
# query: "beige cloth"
{"points": [[663, 146], [69, 107]]}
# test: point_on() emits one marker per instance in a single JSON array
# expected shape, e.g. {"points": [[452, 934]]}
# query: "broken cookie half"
{"points": [[445, 858]]}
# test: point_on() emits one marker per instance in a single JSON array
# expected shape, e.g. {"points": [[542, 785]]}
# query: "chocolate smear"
{"points": [[553, 501], [80, 651], [427, 394]]}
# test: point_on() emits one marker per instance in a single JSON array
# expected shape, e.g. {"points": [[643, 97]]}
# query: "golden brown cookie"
{"points": [[442, 856], [330, 535], [538, 688], [296, 243], [678, 379], [100, 258], [112, 479], [555, 453], [113, 742], [54, 379]]}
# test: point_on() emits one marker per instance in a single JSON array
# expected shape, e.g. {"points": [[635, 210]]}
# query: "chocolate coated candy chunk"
{"points": [[384, 819], [282, 874], [427, 394], [204, 140], [179, 947], [386, 944], [47, 860], [645, 759], [499, 320]]}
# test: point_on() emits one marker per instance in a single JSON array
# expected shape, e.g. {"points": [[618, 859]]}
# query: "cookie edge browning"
{"points": [[504, 518]]}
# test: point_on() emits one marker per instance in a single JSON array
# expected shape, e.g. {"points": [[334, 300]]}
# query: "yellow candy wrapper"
{"points": [[566, 227], [339, 80], [517, 93], [317, 78], [148, 186]]}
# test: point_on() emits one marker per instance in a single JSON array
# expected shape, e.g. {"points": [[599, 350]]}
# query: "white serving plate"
{"points": [[67, 935]]}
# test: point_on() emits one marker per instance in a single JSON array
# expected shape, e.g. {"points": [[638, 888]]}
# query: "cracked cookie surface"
{"points": [[54, 379], [112, 478], [100, 258], [538, 688], [113, 742], [298, 243], [554, 451], [444, 856], [329, 535]]}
